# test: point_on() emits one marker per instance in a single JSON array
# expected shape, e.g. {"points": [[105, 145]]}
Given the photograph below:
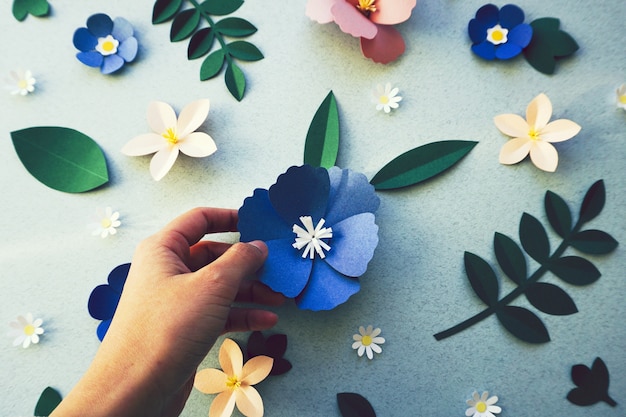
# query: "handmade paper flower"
{"points": [[106, 44], [20, 82], [319, 227], [106, 222], [370, 20], [104, 298], [621, 97], [386, 98], [499, 33], [234, 384], [172, 135], [26, 330], [481, 406], [534, 135], [367, 341]]}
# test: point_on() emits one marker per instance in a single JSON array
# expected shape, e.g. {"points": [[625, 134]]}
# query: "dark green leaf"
{"points": [[274, 347], [200, 43], [256, 344], [322, 139], [164, 10], [523, 324], [558, 214], [595, 242], [593, 203], [547, 44], [563, 44], [575, 270], [534, 238], [235, 81], [61, 158], [212, 65], [184, 24], [235, 27], [482, 278], [21, 8], [593, 384], [244, 50], [48, 401], [220, 7], [550, 299], [421, 163], [354, 405], [510, 258]]}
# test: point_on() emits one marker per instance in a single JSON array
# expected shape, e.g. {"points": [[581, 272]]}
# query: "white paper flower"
{"points": [[481, 406], [386, 98], [21, 82], [106, 222], [25, 330], [621, 97], [367, 341], [171, 135]]}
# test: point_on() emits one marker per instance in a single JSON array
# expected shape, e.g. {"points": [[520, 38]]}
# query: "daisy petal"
{"points": [[376, 348], [538, 112], [356, 344], [210, 381], [494, 409], [161, 116], [375, 332], [361, 350], [512, 125], [144, 145], [249, 402], [162, 162], [391, 12], [370, 354], [514, 151], [223, 405], [559, 130], [378, 340], [192, 116], [544, 156], [198, 145]]}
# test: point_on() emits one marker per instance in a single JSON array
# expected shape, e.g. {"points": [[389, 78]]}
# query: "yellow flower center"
{"points": [[22, 84], [533, 134], [622, 99], [366, 6], [29, 330], [170, 135], [108, 46], [481, 407], [497, 35], [366, 340], [233, 382], [383, 99], [105, 223]]}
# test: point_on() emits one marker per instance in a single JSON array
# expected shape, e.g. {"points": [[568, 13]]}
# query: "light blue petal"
{"points": [[84, 41], [128, 49], [285, 271], [521, 35], [100, 25], [259, 221], [350, 194], [326, 288], [122, 29], [91, 59], [353, 243], [507, 51], [111, 64]]}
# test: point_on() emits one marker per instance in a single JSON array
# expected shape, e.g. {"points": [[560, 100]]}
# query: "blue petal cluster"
{"points": [[100, 26], [347, 203], [104, 298], [510, 17]]}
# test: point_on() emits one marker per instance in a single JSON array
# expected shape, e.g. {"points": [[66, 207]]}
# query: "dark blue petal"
{"points": [[511, 16], [100, 25], [507, 51], [117, 277], [92, 59], [103, 328], [285, 270], [477, 30], [301, 191], [259, 221], [353, 243], [111, 64], [488, 15], [128, 49], [102, 302], [485, 50], [84, 41], [521, 35], [326, 288], [122, 29], [350, 194]]}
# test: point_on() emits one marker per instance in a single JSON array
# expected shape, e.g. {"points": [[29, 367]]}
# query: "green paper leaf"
{"points": [[48, 401], [593, 384], [510, 258], [558, 213], [61, 158], [547, 44], [595, 242], [482, 278], [550, 299], [184, 24], [200, 43], [220, 7], [534, 238], [421, 163], [322, 139], [235, 81], [164, 10], [593, 203], [523, 324], [575, 270], [21, 8], [244, 50], [235, 27], [212, 65], [563, 45], [354, 405]]}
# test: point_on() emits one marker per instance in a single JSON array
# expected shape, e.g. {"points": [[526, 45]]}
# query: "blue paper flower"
{"points": [[319, 227], [106, 44], [104, 298], [500, 34]]}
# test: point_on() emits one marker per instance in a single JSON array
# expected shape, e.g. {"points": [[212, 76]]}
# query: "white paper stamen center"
{"points": [[310, 238]]}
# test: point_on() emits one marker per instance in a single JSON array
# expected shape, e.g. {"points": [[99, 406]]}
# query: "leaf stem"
{"points": [[610, 401], [218, 35]]}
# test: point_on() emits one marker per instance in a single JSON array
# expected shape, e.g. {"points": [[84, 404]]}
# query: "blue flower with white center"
{"points": [[499, 33], [106, 44], [104, 299], [320, 229]]}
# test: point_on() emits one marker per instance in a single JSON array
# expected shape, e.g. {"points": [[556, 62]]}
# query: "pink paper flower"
{"points": [[370, 20]]}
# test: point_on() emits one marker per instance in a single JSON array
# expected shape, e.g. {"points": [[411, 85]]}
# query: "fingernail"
{"points": [[260, 245]]}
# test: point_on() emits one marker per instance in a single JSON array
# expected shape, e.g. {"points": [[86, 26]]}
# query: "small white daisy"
{"points": [[106, 222], [386, 98], [367, 341], [481, 406], [21, 82], [25, 330], [621, 97]]}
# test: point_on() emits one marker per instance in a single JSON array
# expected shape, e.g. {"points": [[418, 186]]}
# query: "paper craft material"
{"points": [[26, 330], [322, 139], [106, 223], [22, 8], [368, 341], [20, 82], [482, 405], [48, 402], [592, 384], [621, 96], [274, 346], [352, 404], [386, 98], [104, 298], [548, 45]]}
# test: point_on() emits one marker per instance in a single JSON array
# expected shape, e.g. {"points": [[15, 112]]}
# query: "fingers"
{"points": [[243, 320], [205, 252], [258, 293], [198, 222]]}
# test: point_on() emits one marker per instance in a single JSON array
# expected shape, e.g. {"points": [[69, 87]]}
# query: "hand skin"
{"points": [[176, 302]]}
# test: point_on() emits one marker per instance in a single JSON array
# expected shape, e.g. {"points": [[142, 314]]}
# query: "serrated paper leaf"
{"points": [[212, 65], [558, 213], [21, 8], [164, 10], [421, 163], [244, 51], [510, 258], [200, 43], [221, 7], [547, 44], [235, 27], [593, 203], [534, 238], [595, 242], [184, 24], [235, 81], [482, 278], [575, 270], [550, 299], [354, 405], [593, 384], [523, 324], [61, 158], [322, 139], [48, 401]]}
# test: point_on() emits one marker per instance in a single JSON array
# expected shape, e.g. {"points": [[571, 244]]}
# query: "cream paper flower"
{"points": [[621, 97], [26, 330], [106, 223], [21, 82], [386, 98], [481, 406], [367, 341], [172, 135], [534, 135]]}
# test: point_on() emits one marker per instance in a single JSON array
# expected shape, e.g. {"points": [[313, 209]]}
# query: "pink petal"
{"points": [[539, 111], [231, 358], [385, 47], [352, 21], [514, 151], [256, 369], [161, 116], [544, 156], [223, 405], [559, 130], [197, 145], [512, 125], [210, 381], [162, 162], [319, 10], [192, 116], [249, 402], [144, 145], [391, 12]]}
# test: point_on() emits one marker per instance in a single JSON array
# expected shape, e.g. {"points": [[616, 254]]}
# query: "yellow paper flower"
{"points": [[234, 384], [534, 135]]}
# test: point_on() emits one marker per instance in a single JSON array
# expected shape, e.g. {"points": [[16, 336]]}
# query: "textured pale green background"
{"points": [[415, 285]]}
